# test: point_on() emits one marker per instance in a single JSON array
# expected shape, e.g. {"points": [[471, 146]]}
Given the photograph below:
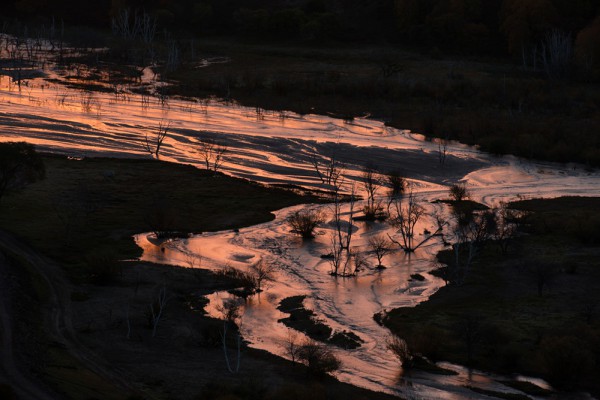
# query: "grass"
{"points": [[91, 208], [501, 317], [63, 372]]}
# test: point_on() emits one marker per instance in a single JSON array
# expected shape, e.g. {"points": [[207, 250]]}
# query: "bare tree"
{"points": [[380, 245], [344, 228], [338, 257], [212, 154], [261, 272], [371, 183], [442, 149], [405, 213], [329, 170], [154, 141], [292, 345], [542, 273], [400, 349], [470, 232], [157, 308], [470, 330], [238, 342], [506, 227], [557, 54], [231, 309], [304, 222]]}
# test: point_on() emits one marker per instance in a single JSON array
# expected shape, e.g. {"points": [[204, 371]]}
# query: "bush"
{"points": [[459, 192], [318, 358], [304, 222]]}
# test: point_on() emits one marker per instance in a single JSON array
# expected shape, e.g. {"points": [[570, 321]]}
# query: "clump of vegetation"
{"points": [[304, 222], [318, 358], [459, 192]]}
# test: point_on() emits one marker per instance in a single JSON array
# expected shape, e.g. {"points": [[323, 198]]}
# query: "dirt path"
{"points": [[57, 322]]}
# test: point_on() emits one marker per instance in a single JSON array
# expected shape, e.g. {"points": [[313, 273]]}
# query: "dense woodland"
{"points": [[498, 27]]}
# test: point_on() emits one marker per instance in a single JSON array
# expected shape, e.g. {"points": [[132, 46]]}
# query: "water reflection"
{"points": [[279, 148]]}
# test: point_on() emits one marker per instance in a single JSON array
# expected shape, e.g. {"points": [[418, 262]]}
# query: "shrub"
{"points": [[304, 222], [318, 358], [459, 192]]}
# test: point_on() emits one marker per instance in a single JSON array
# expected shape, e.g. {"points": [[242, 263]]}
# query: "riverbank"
{"points": [[94, 334], [91, 208], [532, 311]]}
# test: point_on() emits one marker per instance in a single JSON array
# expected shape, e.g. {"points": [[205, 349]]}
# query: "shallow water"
{"points": [[273, 147]]}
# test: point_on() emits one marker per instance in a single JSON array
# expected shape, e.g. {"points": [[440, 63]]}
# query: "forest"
{"points": [[470, 27]]}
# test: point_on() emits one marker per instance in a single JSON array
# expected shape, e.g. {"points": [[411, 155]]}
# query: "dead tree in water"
{"points": [[330, 170], [212, 154], [371, 182], [344, 230], [405, 213], [154, 143], [379, 245]]}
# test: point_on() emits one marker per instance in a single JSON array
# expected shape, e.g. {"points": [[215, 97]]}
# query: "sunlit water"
{"points": [[280, 147]]}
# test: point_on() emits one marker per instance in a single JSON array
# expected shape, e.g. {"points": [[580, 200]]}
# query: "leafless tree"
{"points": [[557, 54], [155, 140], [344, 228], [304, 222], [121, 25], [405, 213], [157, 309], [231, 309], [128, 322], [262, 272], [470, 330], [173, 56], [542, 272], [238, 342], [329, 170], [212, 154], [371, 183], [469, 233], [442, 149], [193, 260], [380, 245], [506, 227], [292, 345], [400, 349]]}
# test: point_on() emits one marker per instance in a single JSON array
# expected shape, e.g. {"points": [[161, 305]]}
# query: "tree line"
{"points": [[474, 26]]}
